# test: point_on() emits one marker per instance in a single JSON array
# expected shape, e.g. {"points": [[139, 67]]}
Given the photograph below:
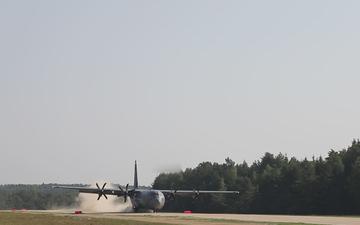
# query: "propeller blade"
{"points": [[125, 198], [121, 189], [101, 191], [172, 196], [127, 186]]}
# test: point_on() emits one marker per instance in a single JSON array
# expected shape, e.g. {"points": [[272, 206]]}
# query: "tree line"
{"points": [[274, 184], [40, 197]]}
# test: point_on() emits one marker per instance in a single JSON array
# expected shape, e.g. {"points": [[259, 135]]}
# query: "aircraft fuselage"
{"points": [[148, 200]]}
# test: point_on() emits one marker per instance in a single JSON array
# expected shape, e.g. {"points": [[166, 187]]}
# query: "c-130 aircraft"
{"points": [[143, 200]]}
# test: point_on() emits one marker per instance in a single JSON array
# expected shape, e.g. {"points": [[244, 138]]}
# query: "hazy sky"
{"points": [[87, 87]]}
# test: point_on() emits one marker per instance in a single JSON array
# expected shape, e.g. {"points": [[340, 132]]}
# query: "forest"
{"points": [[25, 196], [274, 184]]}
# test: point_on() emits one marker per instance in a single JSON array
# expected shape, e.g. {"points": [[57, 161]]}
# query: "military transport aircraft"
{"points": [[142, 199]]}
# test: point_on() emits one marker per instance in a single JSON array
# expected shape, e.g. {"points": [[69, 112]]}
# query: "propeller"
{"points": [[101, 191], [172, 195], [196, 194], [126, 192]]}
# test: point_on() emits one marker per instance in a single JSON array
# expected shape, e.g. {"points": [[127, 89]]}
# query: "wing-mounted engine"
{"points": [[126, 193]]}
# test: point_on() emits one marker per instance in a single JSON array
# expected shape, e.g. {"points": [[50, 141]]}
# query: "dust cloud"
{"points": [[169, 168], [89, 203]]}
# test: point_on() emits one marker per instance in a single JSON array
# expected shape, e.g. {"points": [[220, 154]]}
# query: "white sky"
{"points": [[87, 87]]}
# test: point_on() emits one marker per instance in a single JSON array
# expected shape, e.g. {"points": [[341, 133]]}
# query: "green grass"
{"points": [[18, 218]]}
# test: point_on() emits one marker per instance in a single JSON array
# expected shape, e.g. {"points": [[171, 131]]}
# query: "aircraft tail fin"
{"points": [[136, 184]]}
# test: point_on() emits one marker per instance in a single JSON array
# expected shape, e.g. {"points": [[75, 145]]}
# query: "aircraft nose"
{"points": [[160, 201]]}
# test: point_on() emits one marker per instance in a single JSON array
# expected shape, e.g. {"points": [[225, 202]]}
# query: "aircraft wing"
{"points": [[197, 192], [106, 191]]}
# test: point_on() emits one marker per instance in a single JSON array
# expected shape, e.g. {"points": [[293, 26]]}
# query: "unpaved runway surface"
{"points": [[177, 217], [218, 219], [177, 220]]}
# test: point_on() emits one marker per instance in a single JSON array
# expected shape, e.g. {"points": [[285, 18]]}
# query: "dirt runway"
{"points": [[197, 218], [200, 218]]}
